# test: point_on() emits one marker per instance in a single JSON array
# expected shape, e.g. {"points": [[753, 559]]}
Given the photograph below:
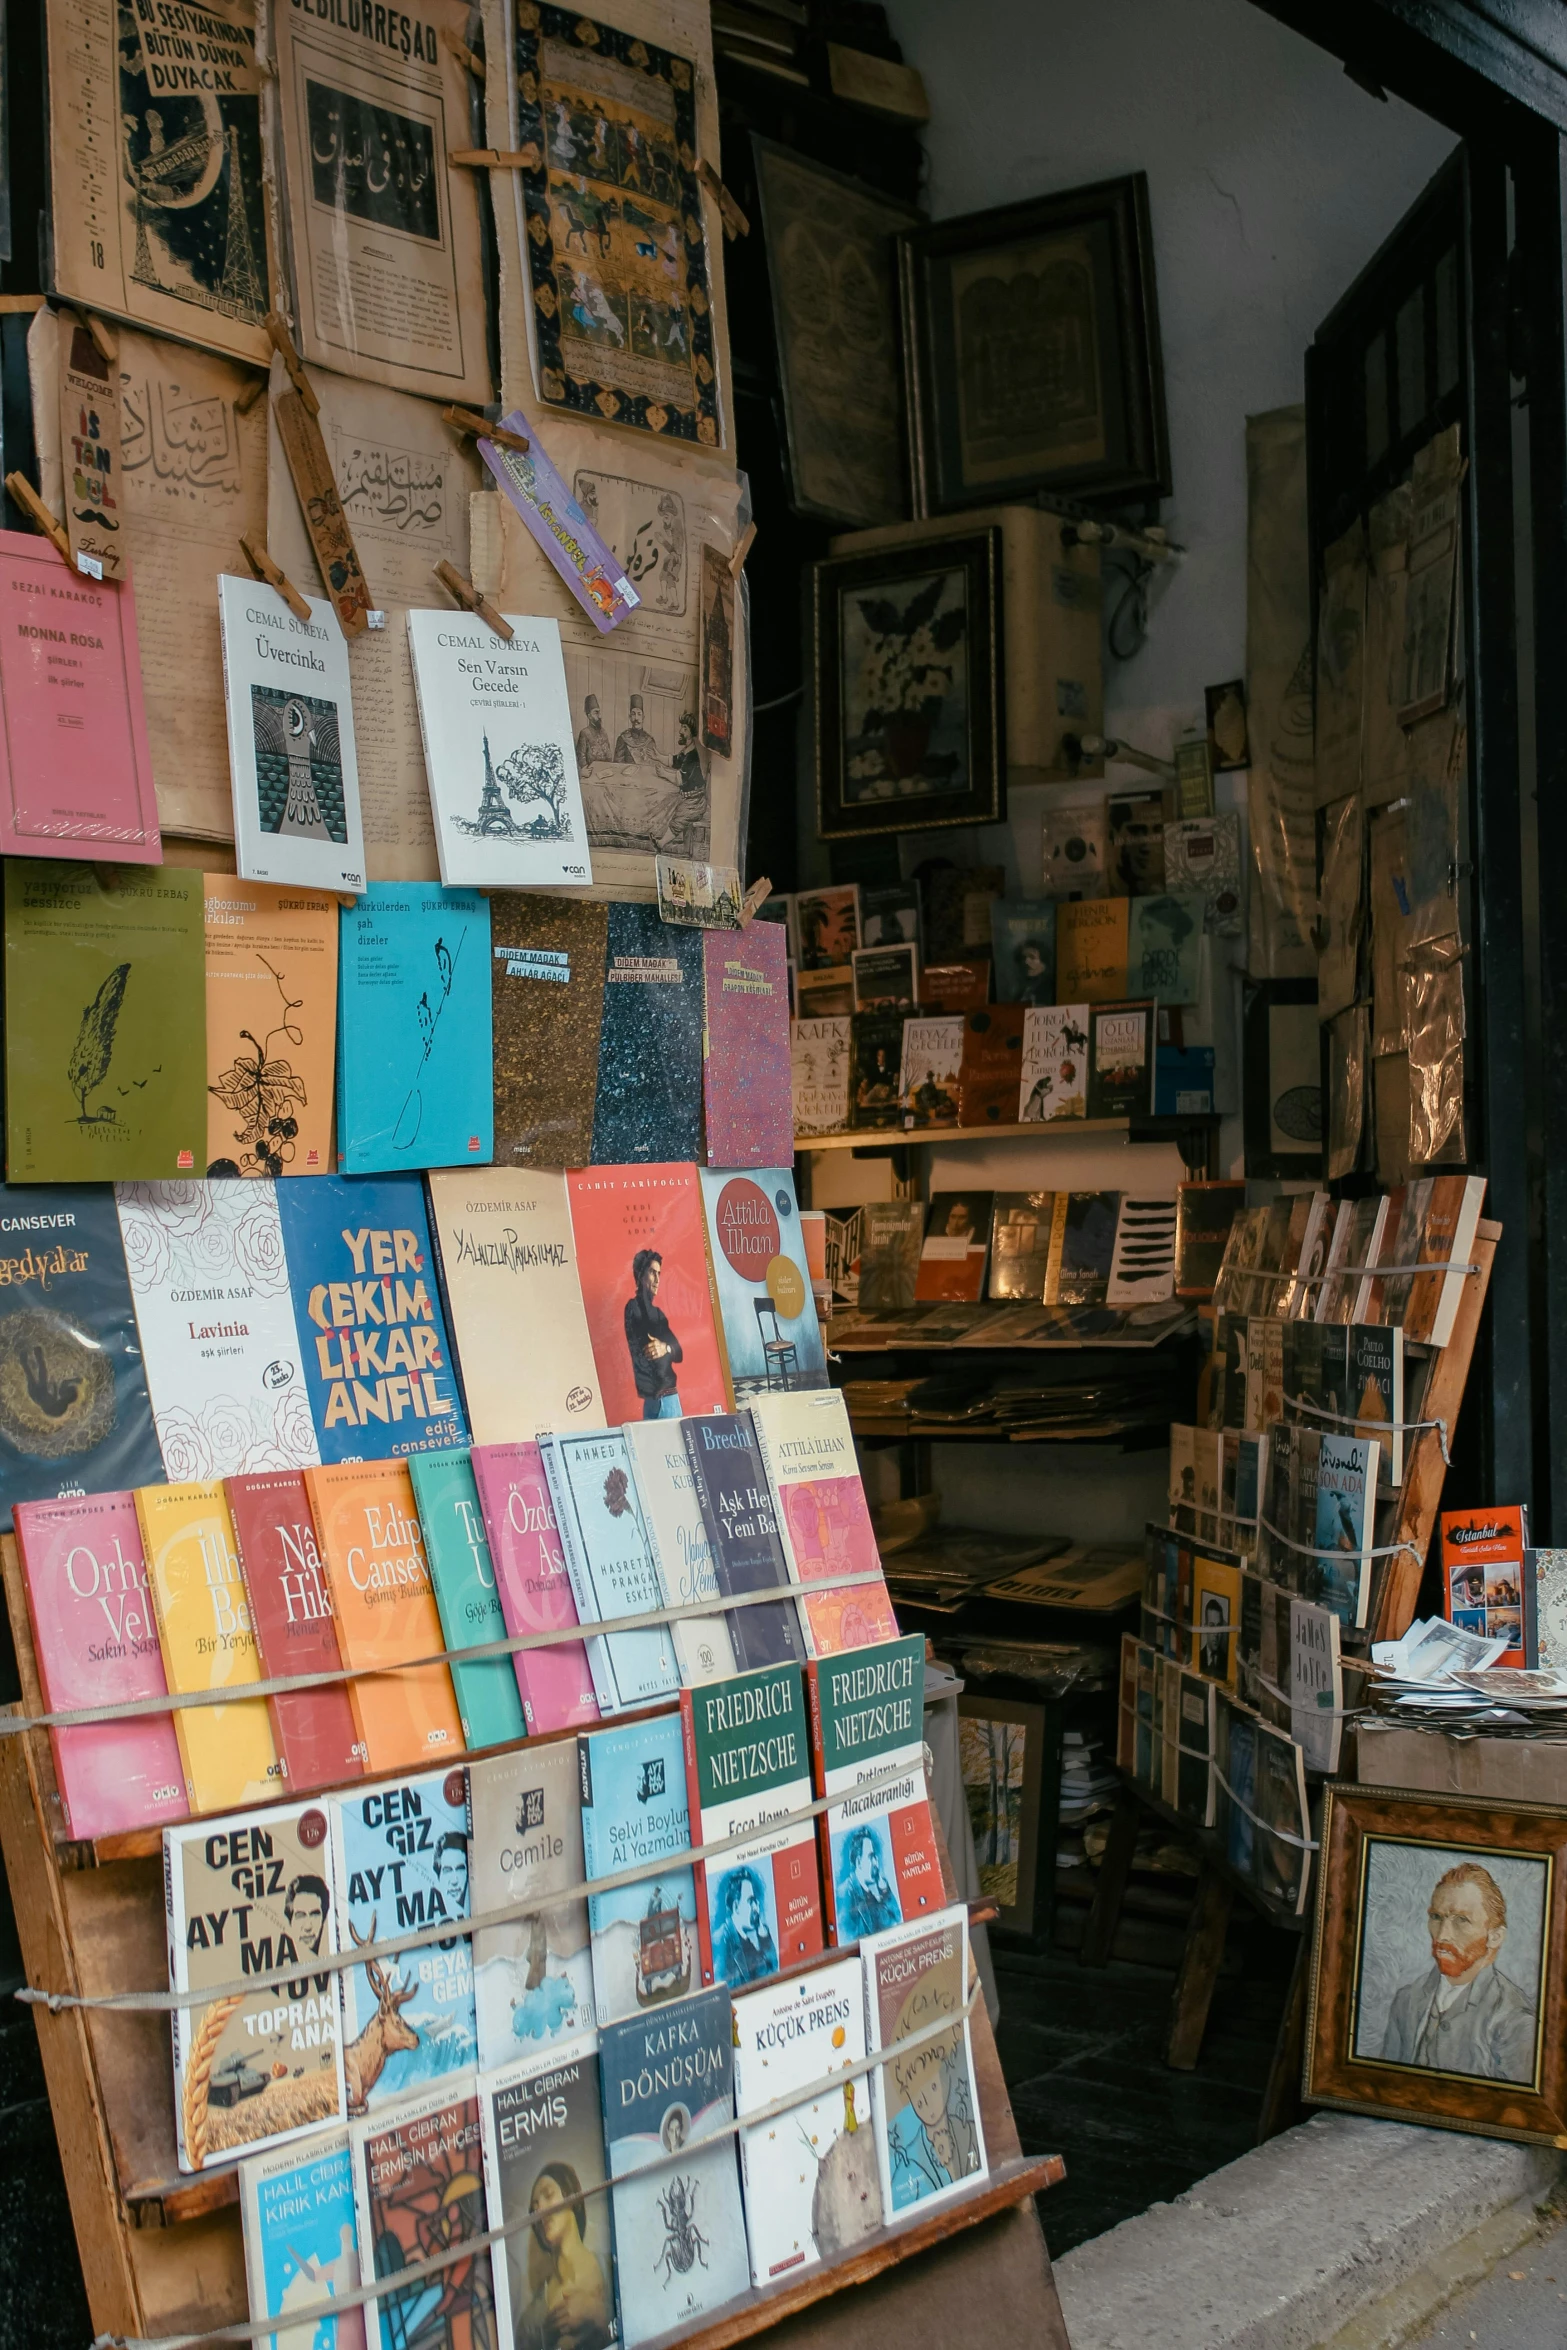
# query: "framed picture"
{"points": [[1438, 1992], [1281, 1047], [1031, 351], [1007, 1750], [832, 266], [910, 729]]}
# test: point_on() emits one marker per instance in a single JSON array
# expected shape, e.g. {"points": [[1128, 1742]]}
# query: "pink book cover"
{"points": [[747, 1087], [830, 1533], [96, 1639], [530, 1575], [75, 768]]}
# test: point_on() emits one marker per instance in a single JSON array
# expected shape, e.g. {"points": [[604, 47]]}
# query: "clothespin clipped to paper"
{"points": [[479, 428], [737, 559], [245, 400], [755, 898], [283, 344], [38, 514], [466, 594], [729, 212], [103, 342], [463, 54], [262, 565], [491, 158]]}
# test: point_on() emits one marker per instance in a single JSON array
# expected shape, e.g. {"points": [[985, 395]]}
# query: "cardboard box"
{"points": [[1509, 1770]]}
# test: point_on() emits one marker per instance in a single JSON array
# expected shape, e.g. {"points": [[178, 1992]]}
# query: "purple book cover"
{"points": [[745, 1075], [587, 563]]}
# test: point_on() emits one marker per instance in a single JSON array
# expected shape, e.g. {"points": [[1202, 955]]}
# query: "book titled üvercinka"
{"points": [[880, 1864], [208, 1642], [386, 1613], [748, 1762]]}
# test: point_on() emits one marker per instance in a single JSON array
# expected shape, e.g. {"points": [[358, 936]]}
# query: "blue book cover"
{"points": [[458, 1556], [400, 1862], [648, 1109], [668, 2088], [415, 1084], [610, 1563], [301, 2244], [367, 1305], [741, 1517], [771, 1334], [632, 1780]]}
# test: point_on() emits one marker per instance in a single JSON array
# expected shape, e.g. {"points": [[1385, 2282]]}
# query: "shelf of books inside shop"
{"points": [[1192, 1135]]}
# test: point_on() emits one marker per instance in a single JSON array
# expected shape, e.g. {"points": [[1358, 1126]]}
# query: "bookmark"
{"points": [[729, 212], [90, 446], [298, 414]]}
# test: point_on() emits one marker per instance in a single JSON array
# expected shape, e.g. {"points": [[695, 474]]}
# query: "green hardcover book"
{"points": [[106, 1022], [464, 1577]]}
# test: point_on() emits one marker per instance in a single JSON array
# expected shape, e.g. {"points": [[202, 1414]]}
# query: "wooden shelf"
{"points": [[1148, 1129], [951, 1432]]}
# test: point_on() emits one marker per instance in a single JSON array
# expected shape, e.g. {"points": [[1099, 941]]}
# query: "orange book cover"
{"points": [[271, 959], [641, 1239], [368, 1534]]}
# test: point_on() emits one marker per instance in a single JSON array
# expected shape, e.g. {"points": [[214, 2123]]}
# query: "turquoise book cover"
{"points": [[415, 1086], [643, 1936], [461, 1569]]}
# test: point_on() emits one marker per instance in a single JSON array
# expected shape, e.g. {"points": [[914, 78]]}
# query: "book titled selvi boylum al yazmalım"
{"points": [[748, 1761], [632, 1781]]}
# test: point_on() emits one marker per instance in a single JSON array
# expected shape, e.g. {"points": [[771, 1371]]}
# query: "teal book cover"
{"points": [[415, 1086], [463, 1573], [635, 1814]]}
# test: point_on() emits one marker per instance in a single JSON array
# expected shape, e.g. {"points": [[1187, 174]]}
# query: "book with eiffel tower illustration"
{"points": [[291, 741]]}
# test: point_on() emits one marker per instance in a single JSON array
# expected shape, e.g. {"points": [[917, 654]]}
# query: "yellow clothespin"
{"points": [[737, 559], [755, 898], [38, 514], [245, 400], [470, 599], [275, 576], [283, 344], [479, 428], [104, 343], [463, 54], [489, 158]]}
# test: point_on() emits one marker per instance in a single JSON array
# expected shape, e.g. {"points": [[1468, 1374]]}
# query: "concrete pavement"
{"points": [[1522, 2305]]}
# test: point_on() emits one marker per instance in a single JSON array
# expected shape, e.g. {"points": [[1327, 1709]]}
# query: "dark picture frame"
{"points": [[1499, 2069], [1020, 1743], [1281, 1054], [910, 703], [1031, 352]]}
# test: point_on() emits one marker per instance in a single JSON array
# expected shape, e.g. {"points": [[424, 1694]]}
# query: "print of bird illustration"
{"points": [[54, 1397], [443, 964], [426, 1020], [93, 1050]]}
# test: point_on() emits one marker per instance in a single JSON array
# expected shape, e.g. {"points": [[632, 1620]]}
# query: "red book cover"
{"points": [[641, 1241], [960, 985], [956, 1247], [747, 1085], [291, 1611], [990, 1071], [1482, 1575]]}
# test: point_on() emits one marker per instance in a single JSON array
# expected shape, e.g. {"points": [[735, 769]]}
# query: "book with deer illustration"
{"points": [[292, 759], [547, 1006], [648, 1107], [414, 1038], [457, 1554], [399, 1865], [532, 1977], [748, 1762], [498, 751], [811, 2186], [543, 2123], [819, 1056], [105, 1026], [271, 1027], [509, 1268], [297, 2207], [648, 1288], [316, 1735], [738, 1511], [610, 1567], [74, 1410], [880, 1863], [643, 1936], [925, 2106], [766, 1309], [824, 1520], [419, 2190], [680, 1546], [668, 2083], [367, 1307], [555, 1683], [244, 1897], [217, 1325], [373, 1551], [746, 1076], [95, 1638], [205, 1634]]}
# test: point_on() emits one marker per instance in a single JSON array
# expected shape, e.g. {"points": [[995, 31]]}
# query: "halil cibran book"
{"points": [[929, 2143], [812, 2190], [292, 760], [766, 1307], [509, 1269], [414, 1039], [457, 1554], [648, 1106], [880, 1863], [819, 1074], [736, 1502], [610, 1566], [1053, 1078], [535, 1590], [419, 2188], [315, 1733], [387, 1618], [74, 1409], [648, 1288], [208, 1642], [105, 1028], [297, 2207], [680, 1547], [96, 1641], [543, 2121], [746, 1084], [632, 1781], [824, 1521], [533, 1977], [495, 719], [546, 1006], [748, 1762], [271, 1027]]}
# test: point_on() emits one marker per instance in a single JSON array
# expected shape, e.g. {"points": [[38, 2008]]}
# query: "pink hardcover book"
{"points": [[747, 1087], [96, 1640], [75, 768], [530, 1575]]}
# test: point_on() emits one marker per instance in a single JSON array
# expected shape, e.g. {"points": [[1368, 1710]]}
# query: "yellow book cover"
{"points": [[368, 1534], [208, 1642], [1091, 950], [271, 960]]}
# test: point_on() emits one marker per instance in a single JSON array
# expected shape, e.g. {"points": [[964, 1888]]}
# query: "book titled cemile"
{"points": [[386, 1613], [812, 2188], [555, 1683], [316, 1735], [418, 2188], [680, 1546], [205, 1633], [642, 1261], [96, 1641], [292, 761], [748, 1762], [736, 1502], [746, 1079], [649, 1102], [498, 752], [635, 1815], [297, 2208], [248, 1896], [271, 1027], [543, 2121], [457, 1553], [824, 1521], [610, 1567], [929, 2145], [509, 1265], [880, 1865], [547, 1006], [414, 1035], [533, 1977]]}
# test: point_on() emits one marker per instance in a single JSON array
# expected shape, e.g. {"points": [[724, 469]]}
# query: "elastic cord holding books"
{"points": [[1284, 1835], [1309, 1550], [401, 2280], [1385, 1427], [1321, 1713], [1344, 1272]]}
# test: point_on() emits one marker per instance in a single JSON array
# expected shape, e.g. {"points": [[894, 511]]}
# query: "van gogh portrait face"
{"points": [[1451, 1960]]}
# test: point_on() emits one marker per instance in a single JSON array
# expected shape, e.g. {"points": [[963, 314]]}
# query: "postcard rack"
{"points": [[161, 2250]]}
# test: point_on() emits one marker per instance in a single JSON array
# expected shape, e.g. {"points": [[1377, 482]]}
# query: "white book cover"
{"points": [[1142, 1268], [292, 760], [498, 751], [819, 1071], [1054, 1080], [929, 2143], [609, 1567], [217, 1327], [532, 1978], [812, 2185], [682, 1548], [509, 1265]]}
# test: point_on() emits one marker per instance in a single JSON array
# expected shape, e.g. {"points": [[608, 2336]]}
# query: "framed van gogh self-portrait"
{"points": [[1438, 1992], [910, 726], [1031, 351]]}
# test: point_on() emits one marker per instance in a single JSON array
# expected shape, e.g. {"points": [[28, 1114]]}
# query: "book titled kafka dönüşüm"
{"points": [[880, 1864], [748, 1762]]}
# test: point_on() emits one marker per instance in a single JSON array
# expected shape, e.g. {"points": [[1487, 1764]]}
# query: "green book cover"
{"points": [[463, 1573], [106, 1022], [748, 1769]]}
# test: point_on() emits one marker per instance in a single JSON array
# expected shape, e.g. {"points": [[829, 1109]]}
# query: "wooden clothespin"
{"points": [[490, 158], [737, 559], [38, 514], [734, 220], [283, 344], [479, 428], [245, 400], [466, 594], [463, 54], [275, 576], [104, 343], [755, 898]]}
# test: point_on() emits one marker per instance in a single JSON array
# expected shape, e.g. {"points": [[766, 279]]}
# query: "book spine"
{"points": [[813, 1695], [704, 1929], [601, 1664]]}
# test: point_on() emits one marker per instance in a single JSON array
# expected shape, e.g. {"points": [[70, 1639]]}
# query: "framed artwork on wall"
{"points": [[1031, 351], [1281, 1048], [1009, 1755]]}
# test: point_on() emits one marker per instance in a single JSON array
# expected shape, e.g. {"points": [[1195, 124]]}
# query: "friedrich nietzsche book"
{"points": [[532, 1976], [748, 1762], [880, 1864], [414, 1042], [547, 1007], [632, 1781]]}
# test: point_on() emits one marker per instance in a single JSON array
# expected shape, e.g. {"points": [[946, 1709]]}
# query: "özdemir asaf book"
{"points": [[292, 761]]}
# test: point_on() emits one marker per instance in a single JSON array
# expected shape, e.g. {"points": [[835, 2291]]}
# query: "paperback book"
{"points": [[208, 1642], [457, 1555], [680, 1547], [824, 1521], [766, 1308], [1483, 1574], [990, 1073], [1082, 1247], [271, 1027], [1142, 1266], [932, 1056], [641, 1241], [1091, 950], [1447, 1237], [509, 1265], [315, 1733], [891, 1232], [748, 1763], [929, 2145], [648, 1106], [1074, 852], [887, 977], [1023, 949], [880, 1862], [1349, 1377], [876, 1067], [610, 1567], [827, 926], [1346, 1493], [1020, 1244], [1187, 1720], [812, 2191], [297, 2207], [819, 1056], [543, 2121], [730, 1477], [387, 1618], [1202, 855], [292, 759], [1204, 1213], [1121, 1060], [555, 1683], [643, 1936], [746, 1080], [1136, 841], [956, 1247], [546, 1010], [532, 1977], [1164, 947], [414, 1084], [418, 2189]]}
